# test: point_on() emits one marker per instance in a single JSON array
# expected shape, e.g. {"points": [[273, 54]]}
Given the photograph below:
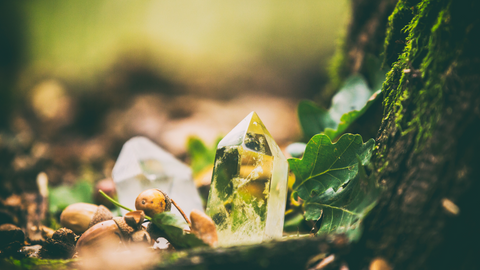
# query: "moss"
{"points": [[288, 253], [337, 68], [35, 263], [173, 257], [434, 43], [396, 36]]}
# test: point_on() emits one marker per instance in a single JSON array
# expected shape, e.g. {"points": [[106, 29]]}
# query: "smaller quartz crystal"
{"points": [[144, 165], [249, 185]]}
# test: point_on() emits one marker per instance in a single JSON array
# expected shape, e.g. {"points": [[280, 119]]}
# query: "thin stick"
{"points": [[119, 205], [181, 212]]}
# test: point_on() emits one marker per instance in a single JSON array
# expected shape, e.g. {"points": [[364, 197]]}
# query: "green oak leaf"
{"points": [[344, 210], [352, 96], [326, 165], [352, 101], [348, 118], [171, 227], [330, 178], [313, 119]]}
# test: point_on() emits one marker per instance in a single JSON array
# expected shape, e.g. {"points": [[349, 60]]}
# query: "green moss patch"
{"points": [[434, 42]]}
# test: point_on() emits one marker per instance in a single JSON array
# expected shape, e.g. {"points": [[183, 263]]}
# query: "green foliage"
{"points": [[348, 104], [172, 228], [313, 119], [348, 118], [328, 180], [64, 195], [201, 155], [328, 165], [35, 263], [294, 223], [344, 210]]}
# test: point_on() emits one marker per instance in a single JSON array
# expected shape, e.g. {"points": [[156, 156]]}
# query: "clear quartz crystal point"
{"points": [[144, 165], [249, 185]]}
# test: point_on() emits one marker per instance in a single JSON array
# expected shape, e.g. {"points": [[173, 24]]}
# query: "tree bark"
{"points": [[428, 143], [297, 253]]}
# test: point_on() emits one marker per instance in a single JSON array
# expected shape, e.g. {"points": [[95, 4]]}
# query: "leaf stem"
{"points": [[118, 204], [181, 212]]}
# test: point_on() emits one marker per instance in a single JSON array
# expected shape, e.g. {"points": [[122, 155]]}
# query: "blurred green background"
{"points": [[78, 78], [202, 44]]}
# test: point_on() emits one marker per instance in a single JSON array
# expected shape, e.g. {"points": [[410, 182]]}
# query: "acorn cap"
{"points": [[135, 218], [102, 214], [168, 206], [125, 229], [141, 236], [9, 234]]}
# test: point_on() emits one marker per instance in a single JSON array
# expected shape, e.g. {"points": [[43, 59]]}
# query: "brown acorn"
{"points": [[78, 217], [103, 234], [153, 201], [118, 232]]}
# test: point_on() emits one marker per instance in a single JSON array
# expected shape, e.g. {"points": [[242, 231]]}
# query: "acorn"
{"points": [[103, 234], [78, 217], [153, 201], [119, 232]]}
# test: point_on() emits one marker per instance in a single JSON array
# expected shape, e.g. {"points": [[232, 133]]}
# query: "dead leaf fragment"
{"points": [[323, 263], [204, 227], [379, 264], [450, 206]]}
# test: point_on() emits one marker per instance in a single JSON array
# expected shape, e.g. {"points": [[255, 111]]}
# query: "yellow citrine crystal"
{"points": [[249, 185]]}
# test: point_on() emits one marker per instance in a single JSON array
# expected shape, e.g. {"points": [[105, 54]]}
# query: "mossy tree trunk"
{"points": [[428, 141]]}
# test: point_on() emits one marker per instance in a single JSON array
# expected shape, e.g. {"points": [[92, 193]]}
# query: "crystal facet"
{"points": [[144, 165], [249, 185]]}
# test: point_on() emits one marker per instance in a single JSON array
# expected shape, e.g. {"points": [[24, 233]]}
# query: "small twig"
{"points": [[181, 212], [122, 206]]}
